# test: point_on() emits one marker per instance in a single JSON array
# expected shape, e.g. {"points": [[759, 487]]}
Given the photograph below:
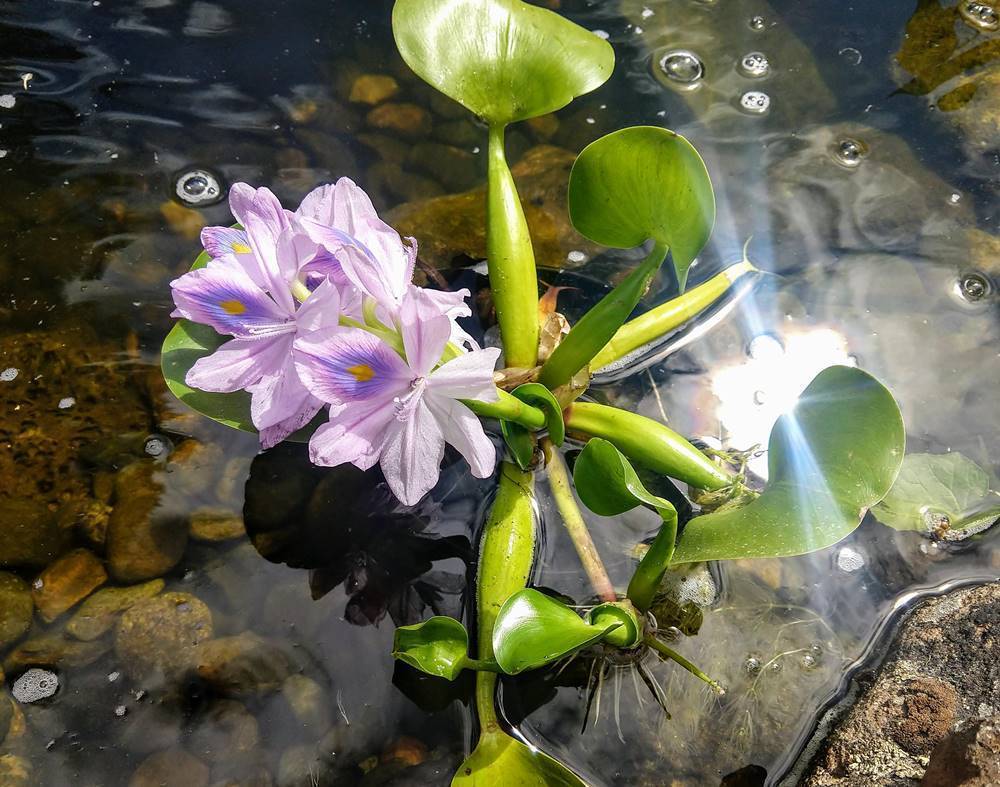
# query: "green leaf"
{"points": [[533, 630], [502, 761], [643, 183], [830, 459], [438, 646], [504, 60], [520, 442], [608, 485], [597, 327], [939, 493], [629, 634], [186, 343]]}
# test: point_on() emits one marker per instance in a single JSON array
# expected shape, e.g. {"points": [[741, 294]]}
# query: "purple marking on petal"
{"points": [[220, 241], [344, 365], [224, 296], [321, 267]]}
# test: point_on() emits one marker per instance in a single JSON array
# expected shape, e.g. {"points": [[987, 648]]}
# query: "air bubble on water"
{"points": [[603, 34], [954, 198], [755, 64], [850, 559], [3, 153], [113, 676], [646, 13], [156, 445], [34, 685], [809, 661], [8, 375], [756, 23], [7, 101], [973, 287], [576, 256], [66, 402], [755, 102], [851, 55], [681, 67], [752, 664], [198, 187], [981, 16], [776, 666], [849, 152]]}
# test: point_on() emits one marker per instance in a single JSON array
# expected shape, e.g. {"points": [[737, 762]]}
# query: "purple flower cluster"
{"points": [[323, 313]]}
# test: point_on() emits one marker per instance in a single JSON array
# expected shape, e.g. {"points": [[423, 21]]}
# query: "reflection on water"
{"points": [[213, 616]]}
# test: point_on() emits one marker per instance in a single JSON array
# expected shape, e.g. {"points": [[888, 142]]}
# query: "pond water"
{"points": [[856, 144]]}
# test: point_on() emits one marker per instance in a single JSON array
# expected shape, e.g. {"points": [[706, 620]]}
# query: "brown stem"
{"points": [[562, 491]]}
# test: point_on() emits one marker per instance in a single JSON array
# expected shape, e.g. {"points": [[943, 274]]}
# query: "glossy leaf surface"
{"points": [[940, 494], [831, 458], [519, 440], [438, 646], [533, 630], [504, 60], [502, 761], [608, 485], [643, 183]]}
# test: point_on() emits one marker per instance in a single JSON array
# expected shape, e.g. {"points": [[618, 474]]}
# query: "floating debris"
{"points": [[851, 55], [752, 664], [954, 198], [981, 16], [755, 102], [7, 101], [602, 34], [755, 64], [26, 79], [849, 152], [66, 402], [850, 560], [681, 67], [198, 187], [34, 685], [756, 23], [8, 375], [156, 446]]}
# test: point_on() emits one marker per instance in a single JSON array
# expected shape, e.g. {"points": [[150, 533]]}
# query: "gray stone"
{"points": [[942, 669]]}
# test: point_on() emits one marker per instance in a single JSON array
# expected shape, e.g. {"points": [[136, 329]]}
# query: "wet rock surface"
{"points": [[98, 613], [968, 757], [243, 664], [66, 582], [16, 608], [927, 700], [171, 768], [157, 638]]}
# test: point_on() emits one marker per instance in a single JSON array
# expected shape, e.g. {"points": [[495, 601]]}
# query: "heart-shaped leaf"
{"points": [[502, 761], [533, 630], [504, 60], [944, 494], [830, 459], [643, 183], [608, 485], [438, 646], [519, 440]]}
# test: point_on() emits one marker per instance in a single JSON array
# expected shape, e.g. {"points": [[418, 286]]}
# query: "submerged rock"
{"points": [[453, 228], [243, 664], [53, 650], [943, 670], [144, 540], [66, 582], [170, 768], [406, 120], [225, 731], [16, 608], [15, 771], [159, 637], [210, 524], [30, 535], [373, 89], [308, 701], [98, 613]]}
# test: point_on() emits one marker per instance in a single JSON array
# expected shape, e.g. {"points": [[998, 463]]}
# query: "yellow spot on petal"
{"points": [[239, 248], [362, 372], [232, 307]]}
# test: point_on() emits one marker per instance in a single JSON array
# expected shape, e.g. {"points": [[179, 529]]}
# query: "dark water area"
{"points": [[212, 615]]}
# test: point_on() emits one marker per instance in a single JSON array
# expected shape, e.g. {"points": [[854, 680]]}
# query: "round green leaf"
{"points": [[631, 631], [533, 630], [608, 485], [502, 59], [830, 459], [438, 646], [643, 183]]}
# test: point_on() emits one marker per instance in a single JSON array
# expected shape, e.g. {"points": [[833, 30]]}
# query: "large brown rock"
{"points": [[943, 670], [144, 540], [969, 757], [158, 637], [98, 613], [453, 227], [66, 582]]}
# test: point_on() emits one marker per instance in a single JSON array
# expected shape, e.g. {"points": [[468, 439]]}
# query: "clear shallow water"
{"points": [[124, 97]]}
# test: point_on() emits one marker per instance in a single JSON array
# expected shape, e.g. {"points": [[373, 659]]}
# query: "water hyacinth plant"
{"points": [[306, 324]]}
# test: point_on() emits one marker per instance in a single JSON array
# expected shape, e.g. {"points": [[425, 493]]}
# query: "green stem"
{"points": [[670, 315], [673, 655], [508, 408], [597, 327], [562, 491], [647, 442], [506, 552], [481, 665], [510, 260]]}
